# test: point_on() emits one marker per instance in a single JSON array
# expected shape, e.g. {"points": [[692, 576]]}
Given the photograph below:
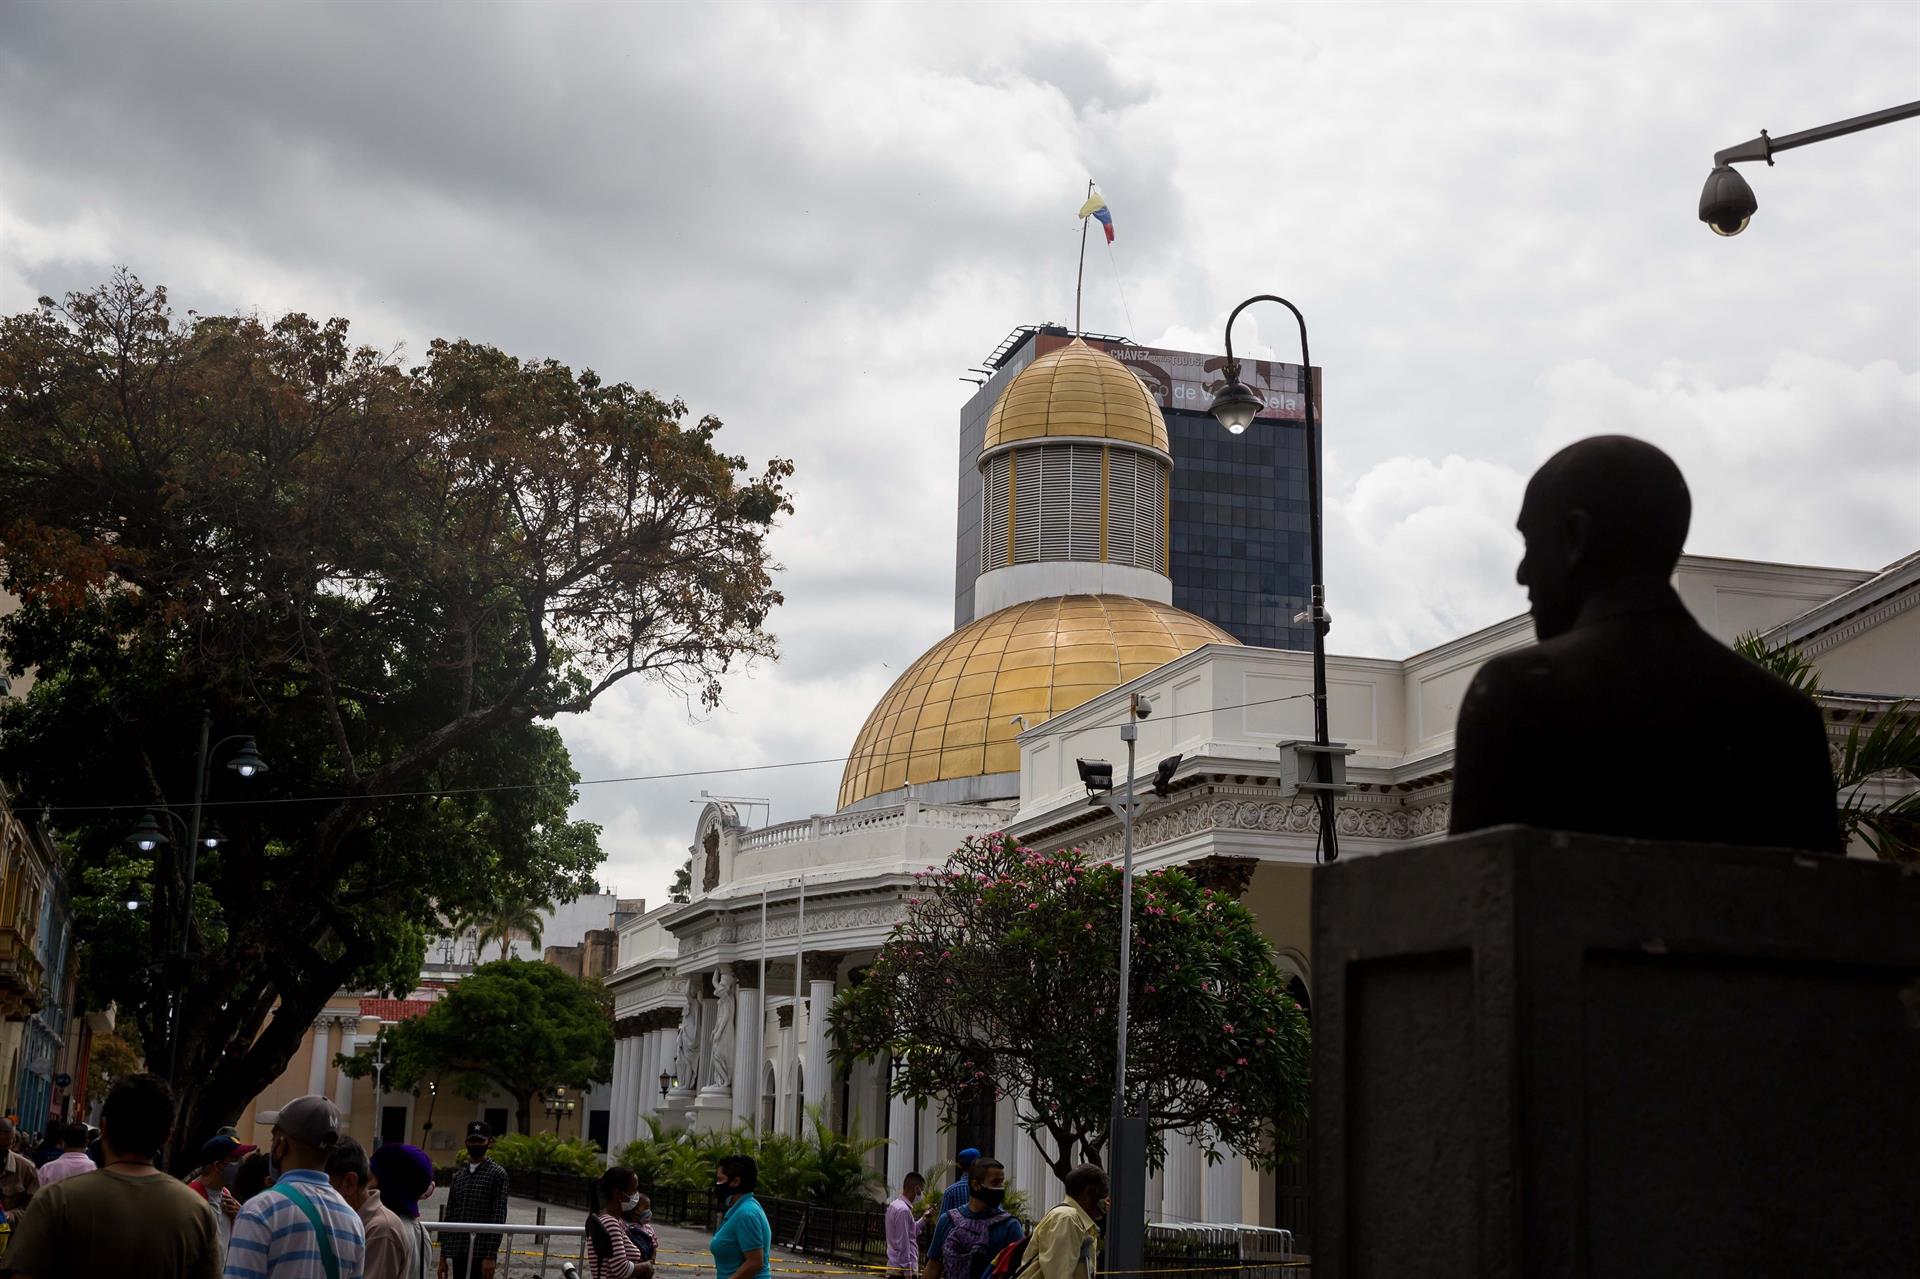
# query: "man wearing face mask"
{"points": [[220, 1161], [743, 1241], [1067, 1239], [966, 1240], [300, 1228], [478, 1193]]}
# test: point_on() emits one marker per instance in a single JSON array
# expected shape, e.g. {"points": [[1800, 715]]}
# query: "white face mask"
{"points": [[629, 1203]]}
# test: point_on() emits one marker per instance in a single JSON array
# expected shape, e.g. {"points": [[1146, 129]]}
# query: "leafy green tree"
{"points": [[682, 889], [111, 1057], [390, 577], [1004, 975], [517, 1024], [1889, 745], [501, 919]]}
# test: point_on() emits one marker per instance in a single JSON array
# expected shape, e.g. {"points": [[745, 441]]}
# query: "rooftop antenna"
{"points": [[1081, 275], [751, 802]]}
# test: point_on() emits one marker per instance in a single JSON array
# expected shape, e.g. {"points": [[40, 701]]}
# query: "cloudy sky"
{"points": [[810, 219]]}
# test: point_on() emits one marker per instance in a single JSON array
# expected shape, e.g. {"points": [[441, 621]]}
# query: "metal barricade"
{"points": [[525, 1251], [1254, 1252]]}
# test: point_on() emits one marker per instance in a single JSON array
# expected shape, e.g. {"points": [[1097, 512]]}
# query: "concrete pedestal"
{"points": [[713, 1110], [1539, 1054]]}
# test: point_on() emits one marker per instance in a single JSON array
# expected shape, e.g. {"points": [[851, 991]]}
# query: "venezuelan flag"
{"points": [[1096, 206]]}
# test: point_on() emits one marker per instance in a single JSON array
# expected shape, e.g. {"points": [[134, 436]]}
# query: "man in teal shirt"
{"points": [[743, 1241]]}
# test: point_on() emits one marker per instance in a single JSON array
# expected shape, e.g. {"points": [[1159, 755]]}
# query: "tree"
{"points": [[111, 1057], [390, 576], [682, 889], [517, 1024], [1888, 746], [1005, 975], [501, 920]]}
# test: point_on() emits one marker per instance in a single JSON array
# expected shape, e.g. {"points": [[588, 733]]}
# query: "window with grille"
{"points": [[993, 523]]}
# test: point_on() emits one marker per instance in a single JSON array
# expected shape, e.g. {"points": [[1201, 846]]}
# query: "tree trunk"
{"points": [[523, 1110]]}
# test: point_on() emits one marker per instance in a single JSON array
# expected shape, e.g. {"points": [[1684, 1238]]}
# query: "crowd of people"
{"points": [[316, 1205]]}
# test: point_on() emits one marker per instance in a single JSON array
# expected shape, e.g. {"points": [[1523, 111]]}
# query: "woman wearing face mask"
{"points": [[610, 1253]]}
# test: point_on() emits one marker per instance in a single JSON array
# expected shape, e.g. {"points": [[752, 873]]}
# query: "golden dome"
{"points": [[1077, 391], [951, 714]]}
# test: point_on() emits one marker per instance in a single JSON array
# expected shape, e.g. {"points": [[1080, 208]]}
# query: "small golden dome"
{"points": [[1076, 391], [950, 715]]}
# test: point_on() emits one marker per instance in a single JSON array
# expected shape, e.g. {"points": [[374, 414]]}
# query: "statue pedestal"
{"points": [[676, 1112], [1549, 1054], [713, 1110]]}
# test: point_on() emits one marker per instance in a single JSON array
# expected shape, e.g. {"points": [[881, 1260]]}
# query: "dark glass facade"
{"points": [[1239, 523], [1237, 511]]}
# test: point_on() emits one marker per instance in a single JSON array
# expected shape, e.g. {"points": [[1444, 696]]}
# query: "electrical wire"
{"points": [[682, 775]]}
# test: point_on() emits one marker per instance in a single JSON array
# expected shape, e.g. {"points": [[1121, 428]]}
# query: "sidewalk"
{"points": [[683, 1249]]}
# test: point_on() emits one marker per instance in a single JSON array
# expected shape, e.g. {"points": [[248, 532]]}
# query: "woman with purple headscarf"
{"points": [[405, 1177]]}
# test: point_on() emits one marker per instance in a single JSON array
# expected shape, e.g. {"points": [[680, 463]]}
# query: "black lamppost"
{"points": [[1235, 407], [1726, 201], [558, 1104], [148, 836]]}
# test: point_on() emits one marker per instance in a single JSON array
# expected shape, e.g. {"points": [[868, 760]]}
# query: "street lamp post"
{"points": [[1127, 1134], [147, 836], [1235, 408], [1727, 203]]}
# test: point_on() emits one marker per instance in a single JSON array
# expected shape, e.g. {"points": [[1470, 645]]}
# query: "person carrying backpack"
{"points": [[966, 1240], [1067, 1240]]}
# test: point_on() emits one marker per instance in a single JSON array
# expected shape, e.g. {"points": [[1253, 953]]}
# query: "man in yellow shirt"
{"points": [[1067, 1239]]}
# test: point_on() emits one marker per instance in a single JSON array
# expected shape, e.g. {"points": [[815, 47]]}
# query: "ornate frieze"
{"points": [[1385, 818]]}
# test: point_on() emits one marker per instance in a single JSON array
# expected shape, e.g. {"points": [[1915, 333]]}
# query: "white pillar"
{"points": [[746, 1048], [1222, 1192], [1181, 1201], [317, 1066], [645, 1092], [349, 1044], [819, 1000], [617, 1090], [900, 1118]]}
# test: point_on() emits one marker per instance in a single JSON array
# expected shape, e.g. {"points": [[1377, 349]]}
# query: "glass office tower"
{"points": [[1237, 513]]}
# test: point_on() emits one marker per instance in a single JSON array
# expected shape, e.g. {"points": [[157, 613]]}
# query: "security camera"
{"points": [[1726, 201], [1142, 706]]}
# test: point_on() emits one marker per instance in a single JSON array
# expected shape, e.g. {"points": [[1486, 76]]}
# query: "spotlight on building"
{"points": [[1163, 775], [1096, 775]]}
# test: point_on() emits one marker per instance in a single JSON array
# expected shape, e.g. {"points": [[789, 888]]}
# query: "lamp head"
{"points": [[246, 761], [212, 837], [148, 836], [1163, 775], [1095, 774], [1235, 405], [1726, 201]]}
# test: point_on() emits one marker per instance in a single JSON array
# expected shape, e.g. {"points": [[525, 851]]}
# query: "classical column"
{"points": [[1181, 1198], [900, 1120], [1222, 1191], [746, 1043], [822, 966], [349, 1044], [646, 1089], [620, 1086], [317, 1066]]}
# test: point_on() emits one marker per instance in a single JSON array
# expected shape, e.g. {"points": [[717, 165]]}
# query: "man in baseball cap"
{"points": [[478, 1193], [280, 1229]]}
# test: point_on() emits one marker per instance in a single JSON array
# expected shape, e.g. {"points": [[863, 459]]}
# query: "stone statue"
{"points": [[686, 1056], [1627, 718], [720, 1042]]}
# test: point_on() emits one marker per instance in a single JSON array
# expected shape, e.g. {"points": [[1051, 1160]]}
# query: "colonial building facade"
{"points": [[721, 1002]]}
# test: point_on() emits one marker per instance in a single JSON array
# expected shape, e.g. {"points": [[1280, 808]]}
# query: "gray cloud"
{"points": [[809, 219]]}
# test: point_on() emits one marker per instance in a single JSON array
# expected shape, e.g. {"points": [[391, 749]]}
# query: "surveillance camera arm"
{"points": [[1763, 147]]}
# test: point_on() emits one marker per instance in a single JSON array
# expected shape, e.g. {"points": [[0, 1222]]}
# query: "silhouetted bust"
{"points": [[1627, 718]]}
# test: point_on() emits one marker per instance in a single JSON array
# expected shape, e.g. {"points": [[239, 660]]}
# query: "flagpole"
{"points": [[1081, 275]]}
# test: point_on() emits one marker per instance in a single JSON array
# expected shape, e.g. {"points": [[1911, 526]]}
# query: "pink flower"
{"points": [[1222, 1072], [1241, 1062], [1151, 988], [1033, 905], [1227, 1026]]}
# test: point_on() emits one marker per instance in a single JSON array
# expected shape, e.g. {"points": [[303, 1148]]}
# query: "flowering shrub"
{"points": [[1004, 975]]}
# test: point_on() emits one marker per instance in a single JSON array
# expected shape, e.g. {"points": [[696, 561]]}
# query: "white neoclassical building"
{"points": [[720, 1002]]}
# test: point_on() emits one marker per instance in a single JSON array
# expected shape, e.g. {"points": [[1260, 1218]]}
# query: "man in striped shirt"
{"points": [[300, 1227]]}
